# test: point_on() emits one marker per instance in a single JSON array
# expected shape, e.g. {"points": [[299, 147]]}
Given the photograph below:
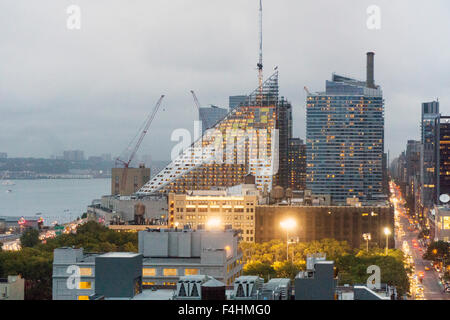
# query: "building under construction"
{"points": [[253, 138], [244, 142]]}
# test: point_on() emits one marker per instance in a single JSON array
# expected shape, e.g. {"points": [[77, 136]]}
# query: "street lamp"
{"points": [[387, 232], [288, 224], [367, 237]]}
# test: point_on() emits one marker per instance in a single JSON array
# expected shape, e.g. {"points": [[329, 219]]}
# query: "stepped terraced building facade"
{"points": [[252, 139]]}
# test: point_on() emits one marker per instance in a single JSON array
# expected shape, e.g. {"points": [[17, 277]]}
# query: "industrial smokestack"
{"points": [[370, 82]]}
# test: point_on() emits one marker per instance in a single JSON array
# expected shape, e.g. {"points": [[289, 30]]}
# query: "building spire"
{"points": [[260, 63]]}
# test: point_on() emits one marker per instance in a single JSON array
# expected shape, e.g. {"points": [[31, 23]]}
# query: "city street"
{"points": [[405, 232]]}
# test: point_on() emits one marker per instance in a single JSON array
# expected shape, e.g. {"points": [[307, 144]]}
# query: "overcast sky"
{"points": [[91, 89]]}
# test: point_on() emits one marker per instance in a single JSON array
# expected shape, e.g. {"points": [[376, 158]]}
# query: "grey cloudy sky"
{"points": [[90, 89]]}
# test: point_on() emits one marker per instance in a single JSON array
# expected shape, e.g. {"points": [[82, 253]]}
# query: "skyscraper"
{"points": [[444, 156], [345, 138], [210, 115], [235, 101], [430, 156], [284, 126], [412, 173], [297, 164]]}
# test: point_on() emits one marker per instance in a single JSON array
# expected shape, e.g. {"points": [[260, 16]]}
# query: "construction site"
{"points": [[254, 138]]}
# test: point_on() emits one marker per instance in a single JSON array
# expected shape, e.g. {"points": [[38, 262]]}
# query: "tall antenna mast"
{"points": [[260, 63]]}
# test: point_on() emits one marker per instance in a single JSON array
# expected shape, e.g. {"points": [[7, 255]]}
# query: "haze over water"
{"points": [[51, 198]]}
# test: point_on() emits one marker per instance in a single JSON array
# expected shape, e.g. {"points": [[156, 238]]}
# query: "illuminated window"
{"points": [[85, 285], [191, 272], [170, 272], [148, 272], [86, 271], [446, 221], [83, 297], [148, 283]]}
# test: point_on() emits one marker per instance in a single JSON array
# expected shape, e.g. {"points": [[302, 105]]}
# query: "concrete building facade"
{"points": [[318, 281], [130, 210], [442, 223], [234, 207], [12, 288], [135, 179], [342, 223], [168, 255], [164, 256]]}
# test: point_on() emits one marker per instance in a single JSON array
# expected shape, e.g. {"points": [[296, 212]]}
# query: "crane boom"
{"points": [[197, 104], [147, 126], [149, 121]]}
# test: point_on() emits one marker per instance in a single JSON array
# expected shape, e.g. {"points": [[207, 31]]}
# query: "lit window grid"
{"points": [[184, 174], [345, 146]]}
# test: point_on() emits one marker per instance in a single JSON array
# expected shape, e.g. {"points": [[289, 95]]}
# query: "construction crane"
{"points": [[307, 91], [146, 126], [202, 118]]}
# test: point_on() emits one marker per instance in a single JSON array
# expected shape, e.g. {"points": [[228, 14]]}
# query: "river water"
{"points": [[59, 200]]}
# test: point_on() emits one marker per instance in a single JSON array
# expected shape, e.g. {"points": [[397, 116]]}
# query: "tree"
{"points": [[264, 270], [286, 269], [29, 238], [129, 247], [34, 261], [353, 268], [437, 251]]}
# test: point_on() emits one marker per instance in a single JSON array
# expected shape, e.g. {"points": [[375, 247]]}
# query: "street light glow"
{"points": [[288, 224], [387, 231], [214, 223]]}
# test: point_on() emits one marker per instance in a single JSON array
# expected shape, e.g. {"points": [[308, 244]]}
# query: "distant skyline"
{"points": [[91, 89]]}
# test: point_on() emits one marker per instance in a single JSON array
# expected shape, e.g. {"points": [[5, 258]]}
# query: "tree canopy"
{"points": [[269, 260], [437, 251], [29, 238], [34, 261]]}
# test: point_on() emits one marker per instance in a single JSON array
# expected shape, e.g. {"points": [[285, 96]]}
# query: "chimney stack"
{"points": [[370, 82]]}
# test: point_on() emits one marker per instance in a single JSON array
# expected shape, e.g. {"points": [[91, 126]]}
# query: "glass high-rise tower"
{"points": [[345, 139], [430, 154], [210, 115]]}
